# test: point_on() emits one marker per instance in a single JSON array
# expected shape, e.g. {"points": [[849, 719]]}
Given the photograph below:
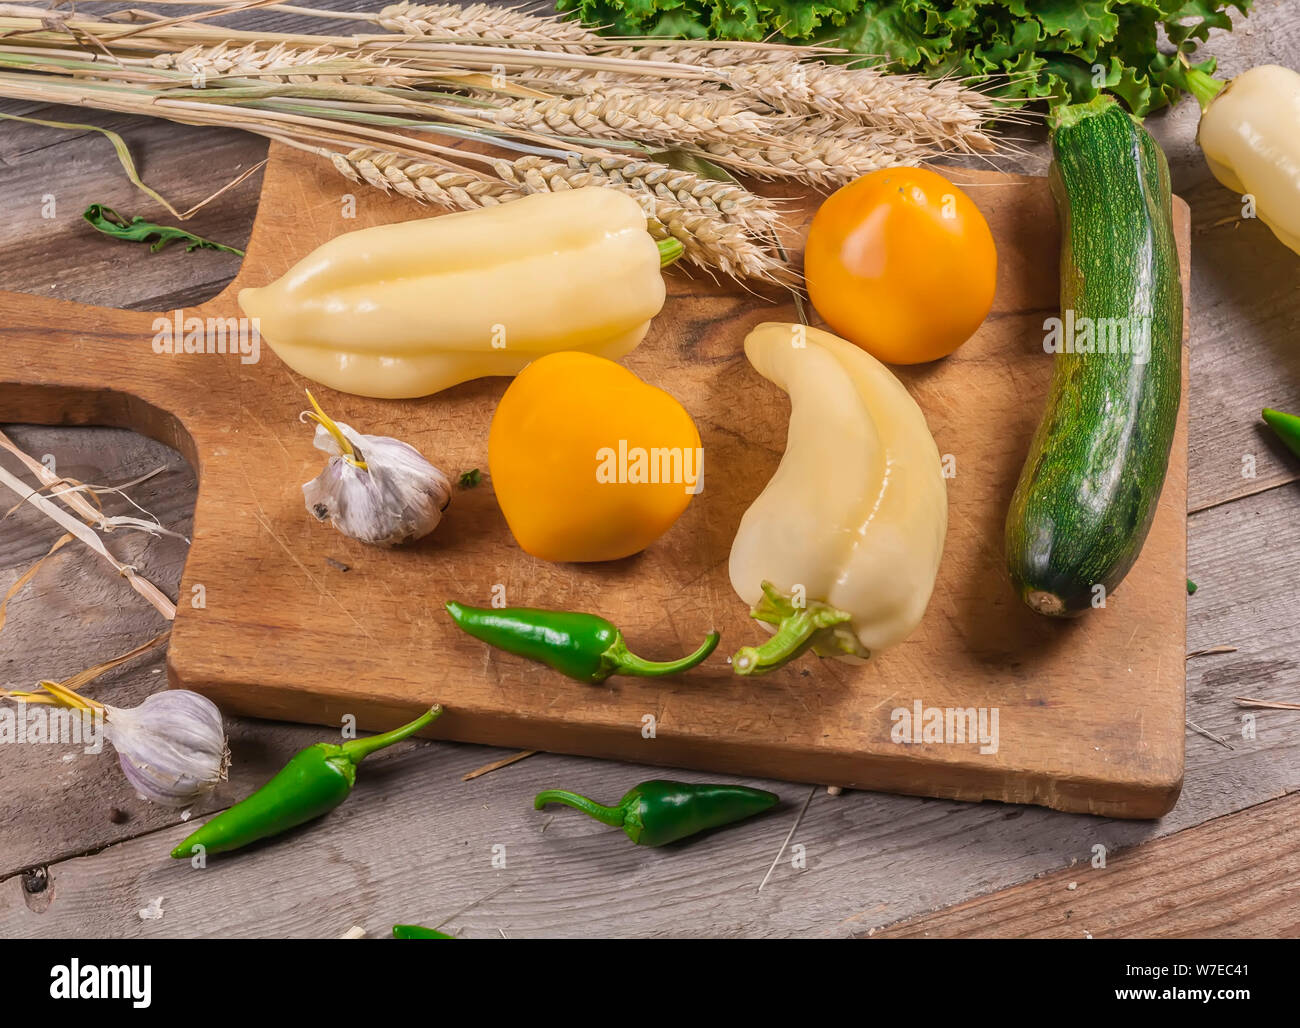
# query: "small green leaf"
{"points": [[469, 479], [681, 160], [104, 219]]}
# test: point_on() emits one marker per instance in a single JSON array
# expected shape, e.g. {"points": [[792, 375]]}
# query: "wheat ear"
{"points": [[939, 112], [279, 63], [516, 28], [421, 180], [728, 201], [712, 242], [627, 115], [483, 21], [710, 238], [822, 152]]}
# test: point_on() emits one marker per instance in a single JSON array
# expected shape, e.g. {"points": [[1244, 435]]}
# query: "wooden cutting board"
{"points": [[1090, 712]]}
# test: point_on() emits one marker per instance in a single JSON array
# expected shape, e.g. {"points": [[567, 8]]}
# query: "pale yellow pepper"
{"points": [[1250, 135], [412, 308], [840, 551]]}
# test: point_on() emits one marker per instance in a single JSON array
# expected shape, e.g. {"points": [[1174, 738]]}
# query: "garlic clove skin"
{"points": [[172, 747], [398, 496]]}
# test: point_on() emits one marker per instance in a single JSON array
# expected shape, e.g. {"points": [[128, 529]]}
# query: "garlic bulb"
{"points": [[374, 489], [172, 747]]}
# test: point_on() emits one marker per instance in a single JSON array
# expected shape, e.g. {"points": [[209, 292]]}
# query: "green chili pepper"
{"points": [[313, 783], [582, 646], [658, 812], [1287, 427], [415, 931]]}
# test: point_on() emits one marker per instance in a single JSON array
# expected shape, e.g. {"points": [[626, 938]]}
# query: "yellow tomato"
{"points": [[902, 263], [588, 462]]}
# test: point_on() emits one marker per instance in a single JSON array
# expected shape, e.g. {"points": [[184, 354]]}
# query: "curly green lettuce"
{"points": [[1062, 51]]}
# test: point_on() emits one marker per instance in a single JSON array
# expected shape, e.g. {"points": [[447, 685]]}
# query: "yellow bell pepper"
{"points": [[841, 549], [588, 462], [408, 309]]}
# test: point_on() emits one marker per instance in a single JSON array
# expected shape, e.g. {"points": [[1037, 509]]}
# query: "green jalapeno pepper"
{"points": [[415, 931], [582, 646], [1287, 427], [658, 812], [313, 783]]}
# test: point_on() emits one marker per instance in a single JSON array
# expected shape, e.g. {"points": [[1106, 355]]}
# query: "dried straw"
{"points": [[627, 115], [483, 21], [279, 63], [820, 153], [940, 112]]}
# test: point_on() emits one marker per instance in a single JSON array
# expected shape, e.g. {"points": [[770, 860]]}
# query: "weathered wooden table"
{"points": [[81, 855]]}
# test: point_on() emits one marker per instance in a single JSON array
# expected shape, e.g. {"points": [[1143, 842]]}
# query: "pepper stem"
{"points": [[669, 250], [619, 660], [350, 453], [1202, 86], [815, 625], [612, 816], [357, 750]]}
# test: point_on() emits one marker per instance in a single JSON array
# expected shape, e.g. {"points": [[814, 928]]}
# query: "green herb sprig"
{"points": [[104, 219]]}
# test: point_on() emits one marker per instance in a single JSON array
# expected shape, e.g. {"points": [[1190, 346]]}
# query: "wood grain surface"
{"points": [[268, 627], [414, 840], [1234, 877]]}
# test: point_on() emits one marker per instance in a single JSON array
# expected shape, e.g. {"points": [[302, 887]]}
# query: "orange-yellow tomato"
{"points": [[588, 462], [902, 263]]}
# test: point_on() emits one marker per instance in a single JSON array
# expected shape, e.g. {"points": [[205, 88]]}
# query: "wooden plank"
{"points": [[1233, 877]]}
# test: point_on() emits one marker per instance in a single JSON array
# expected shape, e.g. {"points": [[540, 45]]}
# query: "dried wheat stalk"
{"points": [[709, 241], [821, 152], [278, 63], [729, 200], [508, 25], [940, 113], [421, 180], [935, 111], [714, 226], [483, 21], [626, 115], [765, 110]]}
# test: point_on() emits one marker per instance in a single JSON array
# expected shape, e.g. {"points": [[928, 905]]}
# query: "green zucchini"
{"points": [[1090, 485]]}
